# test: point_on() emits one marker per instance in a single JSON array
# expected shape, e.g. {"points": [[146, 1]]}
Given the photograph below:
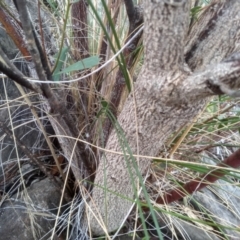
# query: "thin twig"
{"points": [[31, 44], [42, 33], [206, 179], [65, 121], [25, 149], [130, 8], [12, 72], [14, 30]]}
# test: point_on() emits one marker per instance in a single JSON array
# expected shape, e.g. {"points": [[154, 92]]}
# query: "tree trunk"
{"points": [[169, 92]]}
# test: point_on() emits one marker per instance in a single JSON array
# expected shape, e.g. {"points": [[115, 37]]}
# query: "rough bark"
{"points": [[167, 95], [135, 17]]}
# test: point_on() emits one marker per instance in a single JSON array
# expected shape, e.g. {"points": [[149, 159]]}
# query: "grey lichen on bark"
{"points": [[166, 97]]}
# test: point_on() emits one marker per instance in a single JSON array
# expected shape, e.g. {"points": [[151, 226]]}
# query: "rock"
{"points": [[221, 199], [182, 229], [30, 215], [15, 111], [191, 231], [224, 208]]}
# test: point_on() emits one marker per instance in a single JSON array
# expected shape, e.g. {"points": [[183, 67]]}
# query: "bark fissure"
{"points": [[224, 39], [167, 96]]}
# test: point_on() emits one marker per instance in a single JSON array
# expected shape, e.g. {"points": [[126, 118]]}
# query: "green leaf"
{"points": [[81, 65], [104, 109], [104, 103], [195, 10], [62, 58]]}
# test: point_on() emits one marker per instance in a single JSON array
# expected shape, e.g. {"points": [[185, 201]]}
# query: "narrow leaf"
{"points": [[62, 58], [81, 65]]}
